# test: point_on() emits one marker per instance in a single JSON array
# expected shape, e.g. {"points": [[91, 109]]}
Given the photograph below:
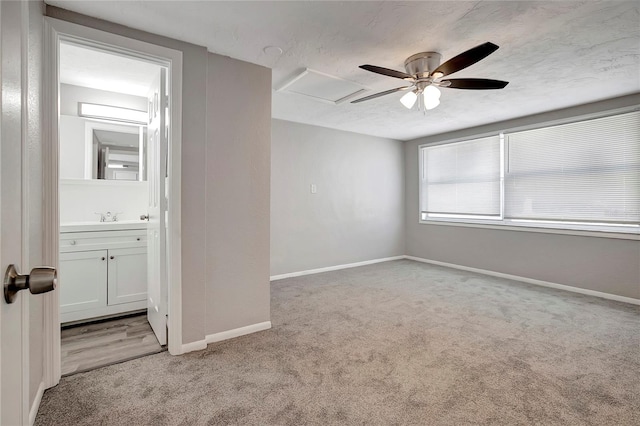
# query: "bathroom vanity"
{"points": [[103, 269]]}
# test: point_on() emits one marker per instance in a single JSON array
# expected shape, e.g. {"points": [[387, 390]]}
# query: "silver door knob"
{"points": [[41, 280], [144, 216]]}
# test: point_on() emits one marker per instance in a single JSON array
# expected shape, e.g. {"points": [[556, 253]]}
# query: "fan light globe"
{"points": [[431, 103], [431, 97], [409, 99]]}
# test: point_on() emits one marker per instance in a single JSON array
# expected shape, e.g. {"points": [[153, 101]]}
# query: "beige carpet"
{"points": [[394, 343]]}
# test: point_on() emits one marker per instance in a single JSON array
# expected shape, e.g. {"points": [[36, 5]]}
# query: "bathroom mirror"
{"points": [[115, 151]]}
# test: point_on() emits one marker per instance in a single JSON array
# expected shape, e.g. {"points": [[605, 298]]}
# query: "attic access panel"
{"points": [[322, 87]]}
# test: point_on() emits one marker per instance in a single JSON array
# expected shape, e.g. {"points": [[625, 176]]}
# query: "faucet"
{"points": [[109, 217]]}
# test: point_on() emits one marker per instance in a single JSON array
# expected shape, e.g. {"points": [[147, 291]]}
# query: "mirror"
{"points": [[117, 154], [103, 150]]}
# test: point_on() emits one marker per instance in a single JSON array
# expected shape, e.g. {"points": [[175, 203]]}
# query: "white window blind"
{"points": [[461, 179], [587, 171]]}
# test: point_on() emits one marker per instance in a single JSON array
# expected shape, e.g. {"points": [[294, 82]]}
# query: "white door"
{"points": [[157, 302], [19, 201]]}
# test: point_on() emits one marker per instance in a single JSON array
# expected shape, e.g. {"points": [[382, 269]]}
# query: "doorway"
{"points": [[112, 216], [109, 166]]}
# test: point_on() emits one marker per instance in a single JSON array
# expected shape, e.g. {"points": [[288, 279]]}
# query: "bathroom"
{"points": [[112, 300]]}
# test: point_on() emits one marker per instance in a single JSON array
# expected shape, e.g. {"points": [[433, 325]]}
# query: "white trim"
{"points": [[102, 182], [51, 221], [26, 201], [56, 30], [237, 332], [192, 347], [530, 281], [540, 229], [333, 268], [33, 412], [224, 335], [1, 138], [174, 207]]}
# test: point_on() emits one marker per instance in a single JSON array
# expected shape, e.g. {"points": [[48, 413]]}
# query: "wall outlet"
{"points": [[314, 188]]}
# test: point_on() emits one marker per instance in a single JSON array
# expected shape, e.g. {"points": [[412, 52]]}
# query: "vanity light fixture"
{"points": [[112, 113]]}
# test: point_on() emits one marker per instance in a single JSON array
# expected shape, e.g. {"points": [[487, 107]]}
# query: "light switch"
{"points": [[314, 188]]}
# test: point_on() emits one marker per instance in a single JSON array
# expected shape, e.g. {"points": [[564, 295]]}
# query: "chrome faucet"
{"points": [[109, 217]]}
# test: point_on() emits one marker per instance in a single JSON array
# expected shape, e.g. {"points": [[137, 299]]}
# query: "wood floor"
{"points": [[89, 346]]}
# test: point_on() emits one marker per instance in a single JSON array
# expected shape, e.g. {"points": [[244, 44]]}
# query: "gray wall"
{"points": [[237, 194], [357, 213], [205, 135], [603, 264], [70, 95]]}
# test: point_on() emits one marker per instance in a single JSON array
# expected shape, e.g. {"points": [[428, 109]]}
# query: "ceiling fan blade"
{"points": [[377, 95], [388, 72], [475, 83], [465, 59]]}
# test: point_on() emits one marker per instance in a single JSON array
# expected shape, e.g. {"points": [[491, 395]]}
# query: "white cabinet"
{"points": [[83, 280], [127, 275], [102, 273]]}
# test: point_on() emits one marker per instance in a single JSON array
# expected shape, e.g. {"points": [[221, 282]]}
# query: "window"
{"points": [[582, 175], [462, 179]]}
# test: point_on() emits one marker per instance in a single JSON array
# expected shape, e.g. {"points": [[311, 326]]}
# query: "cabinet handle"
{"points": [[73, 242], [138, 239], [104, 258], [111, 257]]}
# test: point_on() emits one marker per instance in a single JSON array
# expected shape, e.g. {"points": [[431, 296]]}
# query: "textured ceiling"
{"points": [[555, 54], [86, 67]]}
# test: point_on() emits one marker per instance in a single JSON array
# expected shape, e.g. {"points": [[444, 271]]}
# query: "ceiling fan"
{"points": [[425, 73]]}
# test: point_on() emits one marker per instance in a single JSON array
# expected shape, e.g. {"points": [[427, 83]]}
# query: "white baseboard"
{"points": [[224, 335], [334, 268], [198, 345], [33, 412], [530, 281], [237, 332]]}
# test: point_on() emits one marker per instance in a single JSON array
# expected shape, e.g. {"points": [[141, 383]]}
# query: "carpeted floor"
{"points": [[393, 343]]}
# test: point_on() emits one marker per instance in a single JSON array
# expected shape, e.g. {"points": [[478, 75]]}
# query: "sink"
{"points": [[102, 226]]}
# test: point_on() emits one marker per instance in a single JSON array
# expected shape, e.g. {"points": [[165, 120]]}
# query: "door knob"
{"points": [[41, 280], [144, 216]]}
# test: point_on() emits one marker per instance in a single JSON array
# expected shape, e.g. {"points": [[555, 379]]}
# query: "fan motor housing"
{"points": [[422, 64]]}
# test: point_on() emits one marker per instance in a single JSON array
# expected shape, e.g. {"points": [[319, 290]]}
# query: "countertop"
{"points": [[102, 226]]}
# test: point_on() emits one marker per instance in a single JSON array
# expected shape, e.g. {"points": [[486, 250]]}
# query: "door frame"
{"points": [[55, 31]]}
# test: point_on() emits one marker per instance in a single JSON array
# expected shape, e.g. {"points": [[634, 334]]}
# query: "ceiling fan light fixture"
{"points": [[431, 97], [409, 99], [424, 72], [431, 92], [431, 103]]}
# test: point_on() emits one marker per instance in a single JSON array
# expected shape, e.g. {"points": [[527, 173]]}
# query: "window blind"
{"points": [[587, 171], [461, 178]]}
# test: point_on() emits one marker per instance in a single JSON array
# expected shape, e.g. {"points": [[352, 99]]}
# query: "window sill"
{"points": [[545, 230]]}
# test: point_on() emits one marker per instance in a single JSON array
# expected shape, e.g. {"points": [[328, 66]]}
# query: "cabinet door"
{"points": [[127, 275], [83, 280]]}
